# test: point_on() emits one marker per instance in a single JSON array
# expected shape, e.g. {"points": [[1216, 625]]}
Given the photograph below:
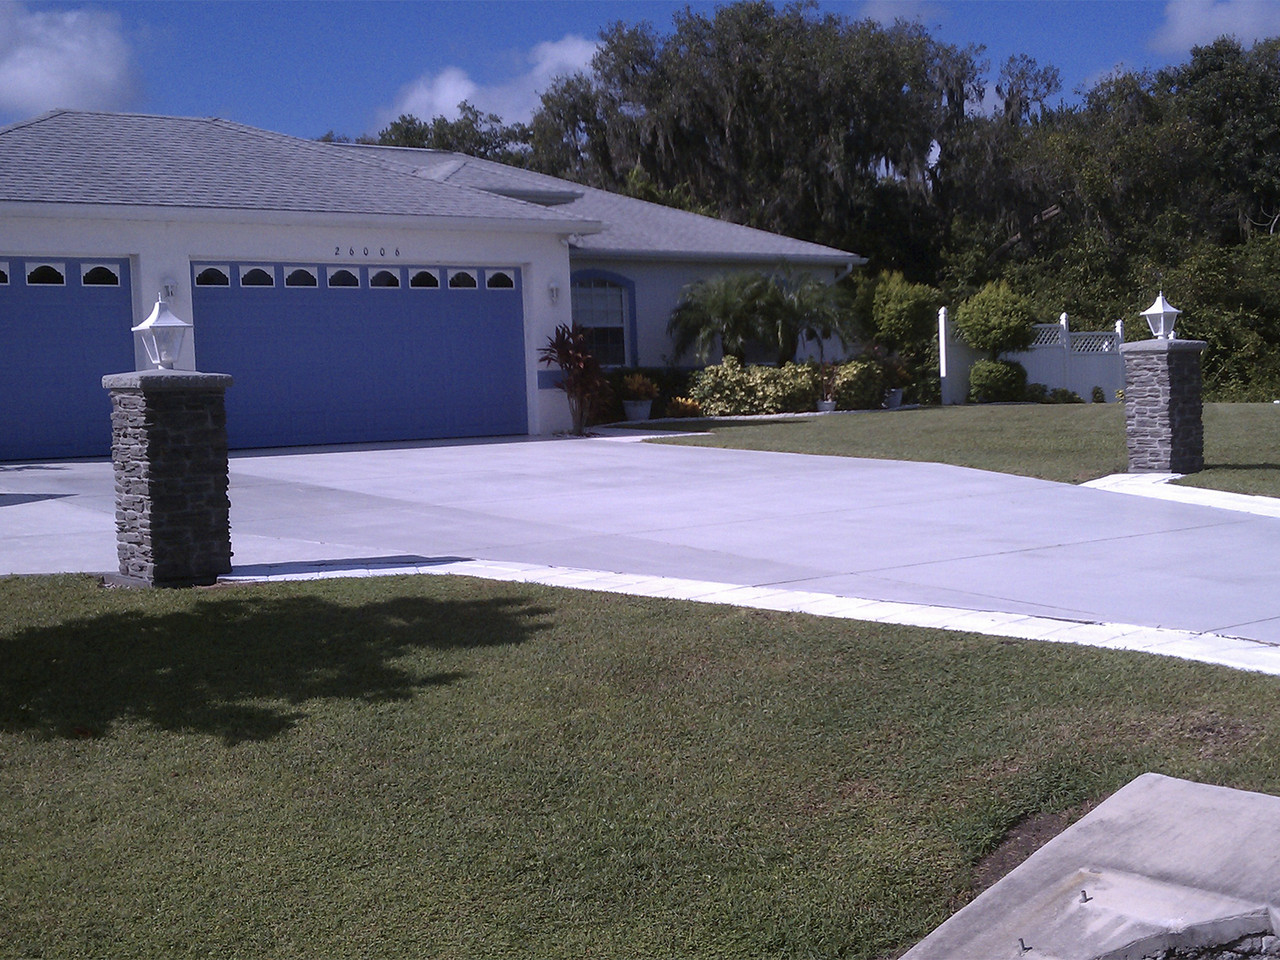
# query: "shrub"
{"points": [[1037, 393], [996, 319], [902, 312], [728, 389], [859, 385], [723, 389], [790, 388], [1098, 395], [997, 381], [1063, 395], [683, 407]]}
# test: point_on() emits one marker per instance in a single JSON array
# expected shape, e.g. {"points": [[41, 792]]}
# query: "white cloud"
{"points": [[1189, 23], [62, 58], [887, 11], [438, 94], [433, 96]]}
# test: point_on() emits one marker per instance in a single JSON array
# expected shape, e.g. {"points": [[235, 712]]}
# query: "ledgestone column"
{"points": [[1163, 407], [169, 451]]}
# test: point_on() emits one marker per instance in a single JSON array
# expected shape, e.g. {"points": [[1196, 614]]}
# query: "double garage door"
{"points": [[63, 324], [357, 353], [320, 354]]}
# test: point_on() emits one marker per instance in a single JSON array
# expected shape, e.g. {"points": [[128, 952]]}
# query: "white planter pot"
{"points": [[826, 406], [893, 398], [637, 409]]}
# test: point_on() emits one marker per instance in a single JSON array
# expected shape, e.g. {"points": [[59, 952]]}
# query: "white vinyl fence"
{"points": [[1058, 357]]}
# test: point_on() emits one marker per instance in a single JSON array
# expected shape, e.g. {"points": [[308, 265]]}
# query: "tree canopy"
{"points": [[881, 140]]}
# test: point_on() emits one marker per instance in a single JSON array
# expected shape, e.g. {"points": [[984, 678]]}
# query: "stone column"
{"points": [[169, 450], [1163, 406]]}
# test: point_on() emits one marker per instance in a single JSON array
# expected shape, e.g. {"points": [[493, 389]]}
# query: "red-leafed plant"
{"points": [[581, 377]]}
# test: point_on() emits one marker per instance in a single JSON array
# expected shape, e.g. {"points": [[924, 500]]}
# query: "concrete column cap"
{"points": [[1156, 345], [166, 381]]}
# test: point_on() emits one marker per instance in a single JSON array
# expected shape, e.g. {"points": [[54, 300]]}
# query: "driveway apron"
{"points": [[887, 530]]}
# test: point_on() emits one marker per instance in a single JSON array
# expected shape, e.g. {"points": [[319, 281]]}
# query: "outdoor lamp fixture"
{"points": [[162, 334], [553, 291], [1161, 317]]}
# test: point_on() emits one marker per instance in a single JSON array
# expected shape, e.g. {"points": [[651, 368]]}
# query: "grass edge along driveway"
{"points": [[447, 767], [1069, 443]]}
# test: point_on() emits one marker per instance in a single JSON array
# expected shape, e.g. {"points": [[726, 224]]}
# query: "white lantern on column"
{"points": [[1161, 317], [162, 335]]}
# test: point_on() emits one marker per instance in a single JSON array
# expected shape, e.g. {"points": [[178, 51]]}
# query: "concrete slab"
{"points": [[879, 533], [1161, 863]]}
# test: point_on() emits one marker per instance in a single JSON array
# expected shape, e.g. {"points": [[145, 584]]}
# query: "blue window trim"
{"points": [[591, 273]]}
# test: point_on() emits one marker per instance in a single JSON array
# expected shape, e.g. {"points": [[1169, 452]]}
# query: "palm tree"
{"points": [[802, 307], [776, 311], [723, 311]]}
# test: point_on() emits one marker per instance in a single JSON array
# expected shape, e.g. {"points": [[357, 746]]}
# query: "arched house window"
{"points": [[604, 307], [45, 274], [301, 277], [99, 275], [213, 277]]}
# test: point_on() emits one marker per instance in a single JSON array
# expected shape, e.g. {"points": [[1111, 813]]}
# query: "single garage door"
{"points": [[64, 324], [357, 353]]}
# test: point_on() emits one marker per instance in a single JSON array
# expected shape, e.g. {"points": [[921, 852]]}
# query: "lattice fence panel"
{"points": [[1093, 342], [1047, 335]]}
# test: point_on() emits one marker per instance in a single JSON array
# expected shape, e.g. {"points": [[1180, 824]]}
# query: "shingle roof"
{"points": [[632, 227], [135, 159]]}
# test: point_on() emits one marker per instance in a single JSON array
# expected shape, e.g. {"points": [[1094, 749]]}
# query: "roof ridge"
{"points": [[383, 164], [19, 124], [318, 146]]}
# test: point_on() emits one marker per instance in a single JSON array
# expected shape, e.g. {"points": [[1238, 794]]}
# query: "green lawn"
{"points": [[445, 767], [1069, 442]]}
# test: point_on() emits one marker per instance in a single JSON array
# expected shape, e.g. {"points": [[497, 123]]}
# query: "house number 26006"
{"points": [[351, 251]]}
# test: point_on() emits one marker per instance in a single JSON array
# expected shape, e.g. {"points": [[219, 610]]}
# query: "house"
{"points": [[356, 294]]}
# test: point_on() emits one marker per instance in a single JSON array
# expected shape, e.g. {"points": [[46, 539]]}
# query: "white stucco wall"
{"points": [[658, 287], [161, 248]]}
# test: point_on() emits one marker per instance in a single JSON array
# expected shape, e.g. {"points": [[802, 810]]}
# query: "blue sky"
{"points": [[304, 67]]}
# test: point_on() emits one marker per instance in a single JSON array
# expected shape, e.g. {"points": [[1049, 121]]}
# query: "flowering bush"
{"points": [[859, 385], [729, 389], [683, 407]]}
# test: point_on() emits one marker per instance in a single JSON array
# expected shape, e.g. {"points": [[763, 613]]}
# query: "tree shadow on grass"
{"points": [[239, 668]]}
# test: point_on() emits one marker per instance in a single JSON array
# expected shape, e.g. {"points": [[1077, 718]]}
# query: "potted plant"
{"points": [[638, 394]]}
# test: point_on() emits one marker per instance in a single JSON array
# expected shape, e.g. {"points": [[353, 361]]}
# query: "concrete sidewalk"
{"points": [[903, 542]]}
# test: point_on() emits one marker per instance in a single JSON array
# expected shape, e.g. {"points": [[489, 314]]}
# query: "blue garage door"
{"points": [[63, 325], [343, 354]]}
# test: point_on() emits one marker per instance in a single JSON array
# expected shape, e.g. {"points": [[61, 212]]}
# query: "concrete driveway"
{"points": [[908, 532]]}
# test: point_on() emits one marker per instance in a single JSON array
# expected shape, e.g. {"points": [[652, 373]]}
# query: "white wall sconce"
{"points": [[162, 334], [1161, 316], [553, 291]]}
